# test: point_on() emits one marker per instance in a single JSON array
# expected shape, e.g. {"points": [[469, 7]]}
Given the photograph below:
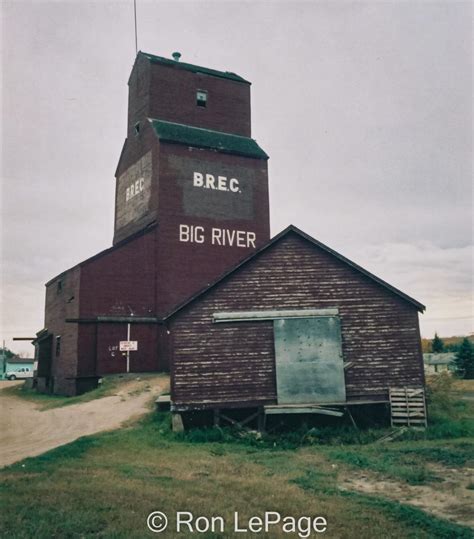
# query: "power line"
{"points": [[449, 318]]}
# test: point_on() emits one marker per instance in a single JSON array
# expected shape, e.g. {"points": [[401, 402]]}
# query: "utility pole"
{"points": [[3, 364]]}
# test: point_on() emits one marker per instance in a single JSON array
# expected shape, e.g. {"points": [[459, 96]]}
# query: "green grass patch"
{"points": [[110, 385], [421, 522], [105, 485], [290, 439], [55, 457], [449, 418], [407, 461], [387, 464], [46, 401]]}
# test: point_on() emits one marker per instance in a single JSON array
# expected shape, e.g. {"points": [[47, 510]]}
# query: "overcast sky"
{"points": [[364, 108]]}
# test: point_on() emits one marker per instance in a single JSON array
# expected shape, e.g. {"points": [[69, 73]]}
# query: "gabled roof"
{"points": [[207, 138], [294, 230], [16, 359], [439, 359], [191, 67], [119, 244]]}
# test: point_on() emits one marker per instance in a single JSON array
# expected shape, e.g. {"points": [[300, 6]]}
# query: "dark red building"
{"points": [[293, 326], [194, 281], [191, 201]]}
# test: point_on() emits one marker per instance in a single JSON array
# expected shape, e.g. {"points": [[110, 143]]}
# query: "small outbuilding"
{"points": [[295, 328], [439, 363]]}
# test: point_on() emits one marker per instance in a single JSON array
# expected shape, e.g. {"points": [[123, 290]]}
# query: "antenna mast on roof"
{"points": [[136, 34]]}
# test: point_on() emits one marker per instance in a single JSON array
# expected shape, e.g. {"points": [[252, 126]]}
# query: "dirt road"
{"points": [[26, 431], [451, 498]]}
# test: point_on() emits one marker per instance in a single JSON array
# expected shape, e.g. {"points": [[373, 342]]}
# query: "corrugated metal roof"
{"points": [[194, 68], [293, 229], [207, 138]]}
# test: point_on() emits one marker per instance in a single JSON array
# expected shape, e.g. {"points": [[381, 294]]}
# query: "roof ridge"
{"points": [[135, 235], [200, 128], [307, 237], [207, 138], [194, 67]]}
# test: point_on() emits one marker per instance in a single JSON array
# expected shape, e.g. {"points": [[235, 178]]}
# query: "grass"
{"points": [[463, 385], [408, 464], [447, 441], [449, 419], [109, 386], [104, 486], [423, 523]]}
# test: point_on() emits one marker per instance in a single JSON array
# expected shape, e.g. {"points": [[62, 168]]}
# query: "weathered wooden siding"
{"points": [[227, 364], [234, 363], [62, 301]]}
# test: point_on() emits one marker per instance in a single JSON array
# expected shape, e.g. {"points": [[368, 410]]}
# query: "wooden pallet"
{"points": [[408, 407]]}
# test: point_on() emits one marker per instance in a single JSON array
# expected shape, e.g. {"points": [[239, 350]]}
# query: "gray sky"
{"points": [[364, 108]]}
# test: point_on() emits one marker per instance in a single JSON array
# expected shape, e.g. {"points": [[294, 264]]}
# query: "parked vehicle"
{"points": [[19, 374]]}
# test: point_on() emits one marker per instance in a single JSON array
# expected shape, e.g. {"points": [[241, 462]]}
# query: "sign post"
{"points": [[128, 346], [128, 350]]}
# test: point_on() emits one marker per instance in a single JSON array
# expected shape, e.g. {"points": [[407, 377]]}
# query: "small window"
{"points": [[201, 98], [137, 129], [58, 345], [59, 287]]}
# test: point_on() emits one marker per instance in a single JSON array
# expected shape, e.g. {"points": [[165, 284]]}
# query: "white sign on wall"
{"points": [[134, 192], [219, 183], [128, 346], [223, 237]]}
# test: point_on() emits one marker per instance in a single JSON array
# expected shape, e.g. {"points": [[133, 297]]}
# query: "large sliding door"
{"points": [[309, 362]]}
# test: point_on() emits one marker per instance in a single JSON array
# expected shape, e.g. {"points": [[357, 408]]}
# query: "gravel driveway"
{"points": [[26, 431]]}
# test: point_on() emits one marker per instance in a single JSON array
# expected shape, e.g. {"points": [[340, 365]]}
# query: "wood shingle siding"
{"points": [[234, 363]]}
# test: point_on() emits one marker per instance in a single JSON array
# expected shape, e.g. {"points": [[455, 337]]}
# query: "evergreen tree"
{"points": [[5, 352], [464, 360], [437, 345]]}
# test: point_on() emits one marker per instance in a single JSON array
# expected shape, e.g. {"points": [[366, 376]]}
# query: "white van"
{"points": [[19, 373]]}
